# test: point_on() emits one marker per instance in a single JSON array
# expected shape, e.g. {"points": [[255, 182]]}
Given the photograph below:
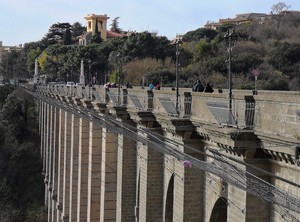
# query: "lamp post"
{"points": [[255, 73], [89, 78], [90, 66], [230, 37], [119, 70], [178, 42]]}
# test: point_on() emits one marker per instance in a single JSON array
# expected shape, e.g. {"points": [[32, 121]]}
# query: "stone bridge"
{"points": [[140, 155]]}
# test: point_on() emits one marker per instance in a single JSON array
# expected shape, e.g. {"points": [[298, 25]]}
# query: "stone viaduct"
{"points": [[140, 155]]}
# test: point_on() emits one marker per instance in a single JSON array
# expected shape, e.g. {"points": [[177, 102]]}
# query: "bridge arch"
{"points": [[137, 202], [219, 212], [169, 201]]}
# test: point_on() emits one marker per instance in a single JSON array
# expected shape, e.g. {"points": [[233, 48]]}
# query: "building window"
{"points": [[89, 25]]}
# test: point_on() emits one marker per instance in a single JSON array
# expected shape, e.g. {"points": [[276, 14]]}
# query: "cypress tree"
{"points": [[67, 38], [97, 35]]}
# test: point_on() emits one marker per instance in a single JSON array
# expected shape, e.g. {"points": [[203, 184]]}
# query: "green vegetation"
{"points": [[270, 45], [21, 180]]}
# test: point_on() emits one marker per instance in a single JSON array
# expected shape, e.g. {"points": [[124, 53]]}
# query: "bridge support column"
{"points": [[150, 185], [49, 172], [126, 177], [223, 201], [83, 157], [60, 165], [46, 139], [236, 211], [108, 175], [263, 212], [54, 138], [42, 131], [183, 186], [74, 168], [94, 173], [66, 166]]}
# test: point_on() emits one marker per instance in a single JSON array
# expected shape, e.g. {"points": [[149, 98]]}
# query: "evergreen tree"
{"points": [[67, 38], [115, 25], [97, 35], [20, 161], [77, 30]]}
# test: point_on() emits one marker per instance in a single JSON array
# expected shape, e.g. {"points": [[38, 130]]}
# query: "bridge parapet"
{"points": [[212, 108], [255, 130], [279, 114], [265, 112]]}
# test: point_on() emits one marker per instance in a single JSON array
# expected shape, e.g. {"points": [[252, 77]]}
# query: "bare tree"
{"points": [[279, 8], [278, 11]]}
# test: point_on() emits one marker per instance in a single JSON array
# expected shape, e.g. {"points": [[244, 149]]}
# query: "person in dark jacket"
{"points": [[208, 88], [198, 86]]}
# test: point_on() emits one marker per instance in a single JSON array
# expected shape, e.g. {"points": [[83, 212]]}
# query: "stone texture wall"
{"points": [[94, 174]]}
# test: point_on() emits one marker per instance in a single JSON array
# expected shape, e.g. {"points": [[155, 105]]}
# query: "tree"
{"points": [[96, 38], [278, 11], [203, 49], [77, 30], [279, 8], [56, 33], [283, 56], [200, 33], [115, 25], [67, 37], [20, 162], [32, 55], [9, 66]]}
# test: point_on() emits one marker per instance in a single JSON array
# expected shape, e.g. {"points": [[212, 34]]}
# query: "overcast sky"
{"points": [[24, 21]]}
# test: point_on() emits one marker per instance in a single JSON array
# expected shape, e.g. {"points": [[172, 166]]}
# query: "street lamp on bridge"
{"points": [[119, 73], [90, 66], [178, 44], [230, 38]]}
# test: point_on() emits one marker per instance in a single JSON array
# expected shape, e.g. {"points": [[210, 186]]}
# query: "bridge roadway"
{"points": [[131, 156]]}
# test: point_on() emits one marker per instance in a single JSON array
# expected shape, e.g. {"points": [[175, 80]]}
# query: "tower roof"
{"points": [[93, 16]]}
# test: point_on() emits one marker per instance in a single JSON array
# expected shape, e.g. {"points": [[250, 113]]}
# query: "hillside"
{"points": [[269, 47]]}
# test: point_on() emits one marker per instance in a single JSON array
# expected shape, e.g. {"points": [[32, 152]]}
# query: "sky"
{"points": [[23, 21]]}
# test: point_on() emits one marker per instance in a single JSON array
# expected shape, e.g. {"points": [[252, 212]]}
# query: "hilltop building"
{"points": [[102, 29], [7, 49], [239, 19]]}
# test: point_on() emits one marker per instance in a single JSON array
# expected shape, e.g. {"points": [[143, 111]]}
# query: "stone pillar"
{"points": [[74, 168], [124, 97], [126, 177], [36, 72], [39, 105], [188, 193], [42, 125], [55, 136], [66, 164], [263, 212], [150, 184], [46, 151], [236, 204], [108, 176], [60, 164], [50, 160], [193, 182], [94, 173], [83, 156]]}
